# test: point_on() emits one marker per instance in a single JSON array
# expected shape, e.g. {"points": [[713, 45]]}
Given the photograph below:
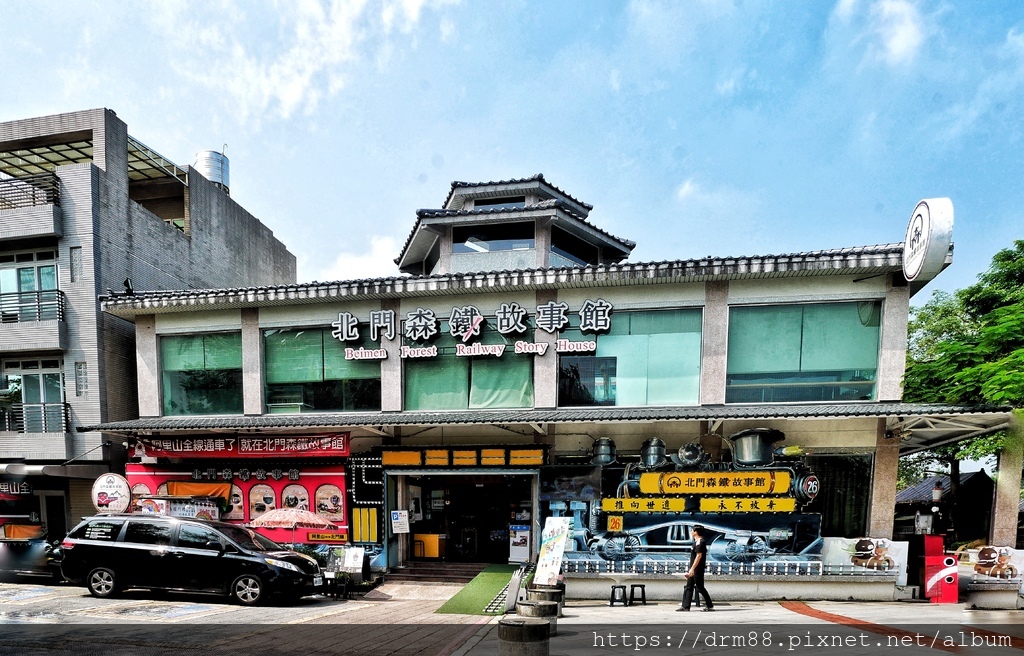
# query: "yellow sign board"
{"points": [[762, 504], [615, 523], [645, 504], [754, 481]]}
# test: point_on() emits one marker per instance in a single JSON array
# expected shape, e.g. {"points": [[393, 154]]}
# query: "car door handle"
{"points": [[177, 554]]}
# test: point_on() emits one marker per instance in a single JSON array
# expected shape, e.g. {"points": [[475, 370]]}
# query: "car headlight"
{"points": [[283, 564]]}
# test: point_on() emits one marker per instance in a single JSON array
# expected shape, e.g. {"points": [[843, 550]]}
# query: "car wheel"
{"points": [[247, 590], [102, 582]]}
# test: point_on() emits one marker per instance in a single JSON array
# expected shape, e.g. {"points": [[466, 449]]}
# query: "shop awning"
{"points": [[917, 426], [62, 471]]}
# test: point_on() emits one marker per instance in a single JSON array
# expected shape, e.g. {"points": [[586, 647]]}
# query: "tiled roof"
{"points": [[543, 205], [532, 416], [539, 177], [922, 491], [867, 260]]}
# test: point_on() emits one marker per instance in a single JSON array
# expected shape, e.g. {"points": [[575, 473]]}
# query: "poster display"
{"points": [[519, 543], [111, 493], [552, 546], [261, 499]]}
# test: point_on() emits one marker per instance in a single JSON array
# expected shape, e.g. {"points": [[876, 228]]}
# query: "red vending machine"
{"points": [[941, 577]]}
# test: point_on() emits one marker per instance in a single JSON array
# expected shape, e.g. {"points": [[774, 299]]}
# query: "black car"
{"points": [[29, 557], [109, 553]]}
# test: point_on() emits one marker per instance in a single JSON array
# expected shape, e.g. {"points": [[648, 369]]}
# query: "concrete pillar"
{"points": [[1003, 529], [545, 367], [892, 355], [252, 363], [392, 381], [402, 503], [882, 508], [547, 610], [147, 365], [542, 242], [715, 343]]}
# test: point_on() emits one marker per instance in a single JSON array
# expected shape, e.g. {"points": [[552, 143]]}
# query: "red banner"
{"points": [[244, 446]]}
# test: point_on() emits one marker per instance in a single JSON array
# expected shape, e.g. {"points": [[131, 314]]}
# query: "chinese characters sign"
{"points": [[466, 324], [241, 446], [745, 482], [765, 504]]}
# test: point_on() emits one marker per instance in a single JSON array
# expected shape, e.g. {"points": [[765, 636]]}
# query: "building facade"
{"points": [[86, 208], [524, 372]]}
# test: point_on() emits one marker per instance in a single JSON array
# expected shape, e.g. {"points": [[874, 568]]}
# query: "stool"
{"points": [[643, 593], [618, 595]]}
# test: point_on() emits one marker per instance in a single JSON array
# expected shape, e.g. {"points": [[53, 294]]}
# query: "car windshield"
{"points": [[250, 539]]}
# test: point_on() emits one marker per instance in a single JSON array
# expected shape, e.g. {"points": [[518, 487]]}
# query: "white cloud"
{"points": [[376, 262], [721, 210], [899, 29], [305, 55], [614, 82]]}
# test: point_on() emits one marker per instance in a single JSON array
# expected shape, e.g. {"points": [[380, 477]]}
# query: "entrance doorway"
{"points": [[466, 518]]}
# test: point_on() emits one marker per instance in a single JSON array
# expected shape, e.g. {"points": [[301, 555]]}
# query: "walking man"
{"points": [[695, 575]]}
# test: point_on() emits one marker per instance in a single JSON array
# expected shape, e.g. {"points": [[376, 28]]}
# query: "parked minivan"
{"points": [[109, 553]]}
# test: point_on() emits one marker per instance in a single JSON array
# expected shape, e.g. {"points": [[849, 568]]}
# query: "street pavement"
{"points": [[398, 618]]}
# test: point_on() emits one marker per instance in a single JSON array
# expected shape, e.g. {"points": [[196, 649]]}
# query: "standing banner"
{"points": [[552, 546], [399, 521]]}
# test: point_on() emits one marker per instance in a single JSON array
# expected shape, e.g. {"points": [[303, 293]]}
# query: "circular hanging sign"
{"points": [[929, 234], [111, 493]]}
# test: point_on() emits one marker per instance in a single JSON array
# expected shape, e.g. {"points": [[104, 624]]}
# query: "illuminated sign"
{"points": [[753, 481], [763, 504], [646, 504]]}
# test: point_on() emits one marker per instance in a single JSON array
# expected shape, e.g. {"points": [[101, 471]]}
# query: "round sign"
{"points": [[929, 235], [111, 493]]}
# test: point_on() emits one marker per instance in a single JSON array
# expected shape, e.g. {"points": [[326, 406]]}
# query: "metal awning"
{"points": [[917, 426], [144, 163]]}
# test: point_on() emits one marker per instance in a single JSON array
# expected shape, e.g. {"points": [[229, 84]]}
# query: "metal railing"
{"points": [[34, 418], [18, 307], [29, 191]]}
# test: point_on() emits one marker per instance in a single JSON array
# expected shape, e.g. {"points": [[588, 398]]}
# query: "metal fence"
{"points": [[34, 418], [29, 191], [18, 307]]}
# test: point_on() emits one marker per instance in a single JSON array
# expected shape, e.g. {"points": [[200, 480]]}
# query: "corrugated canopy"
{"points": [[143, 162]]}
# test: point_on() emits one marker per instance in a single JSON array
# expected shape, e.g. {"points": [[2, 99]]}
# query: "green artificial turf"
{"points": [[474, 597]]}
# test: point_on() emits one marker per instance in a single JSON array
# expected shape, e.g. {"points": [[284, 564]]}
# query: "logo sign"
{"points": [[111, 493], [333, 536], [399, 521], [929, 235], [281, 446], [747, 482]]}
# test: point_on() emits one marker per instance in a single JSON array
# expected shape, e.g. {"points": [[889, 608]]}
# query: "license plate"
{"points": [[318, 581]]}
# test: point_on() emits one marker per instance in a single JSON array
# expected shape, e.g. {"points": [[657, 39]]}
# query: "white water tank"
{"points": [[214, 167]]}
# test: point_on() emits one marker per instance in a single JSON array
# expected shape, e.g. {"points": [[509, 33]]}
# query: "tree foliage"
{"points": [[968, 348]]}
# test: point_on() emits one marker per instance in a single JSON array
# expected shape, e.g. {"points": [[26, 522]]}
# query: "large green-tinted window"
{"points": [[646, 358], [452, 382], [202, 374], [817, 352], [306, 371]]}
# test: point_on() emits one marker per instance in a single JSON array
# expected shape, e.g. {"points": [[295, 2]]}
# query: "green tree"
{"points": [[968, 348]]}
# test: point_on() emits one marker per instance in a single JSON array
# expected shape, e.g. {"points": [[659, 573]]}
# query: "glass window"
{"points": [[844, 495], [81, 378], [149, 533], [76, 263], [306, 370], [816, 352], [489, 238], [198, 537], [105, 530], [646, 358], [202, 374], [452, 382], [573, 248], [39, 387]]}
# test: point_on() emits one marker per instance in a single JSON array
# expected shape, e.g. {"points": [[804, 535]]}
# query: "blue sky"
{"points": [[694, 128]]}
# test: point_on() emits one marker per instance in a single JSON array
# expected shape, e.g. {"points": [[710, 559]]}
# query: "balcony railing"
{"points": [[19, 307], [34, 418], [29, 191]]}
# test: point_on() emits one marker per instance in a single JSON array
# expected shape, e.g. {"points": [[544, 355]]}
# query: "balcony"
{"points": [[36, 431], [34, 418], [32, 321], [30, 207]]}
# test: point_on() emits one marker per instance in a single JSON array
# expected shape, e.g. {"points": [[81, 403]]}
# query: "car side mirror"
{"points": [[216, 545]]}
